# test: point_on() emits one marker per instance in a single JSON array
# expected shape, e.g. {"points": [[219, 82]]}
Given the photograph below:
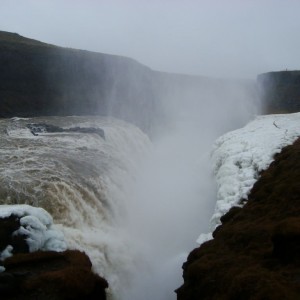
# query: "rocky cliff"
{"points": [[280, 91], [255, 253], [39, 79]]}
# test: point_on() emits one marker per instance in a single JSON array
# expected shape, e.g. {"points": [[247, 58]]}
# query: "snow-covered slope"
{"points": [[240, 155]]}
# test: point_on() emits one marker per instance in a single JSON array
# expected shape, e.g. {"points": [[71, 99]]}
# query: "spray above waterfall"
{"points": [[174, 194]]}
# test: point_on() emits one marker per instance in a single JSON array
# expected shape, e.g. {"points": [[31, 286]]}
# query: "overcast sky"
{"points": [[220, 38]]}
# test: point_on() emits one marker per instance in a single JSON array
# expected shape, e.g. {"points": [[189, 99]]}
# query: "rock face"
{"points": [[255, 253], [280, 91], [39, 79], [51, 275]]}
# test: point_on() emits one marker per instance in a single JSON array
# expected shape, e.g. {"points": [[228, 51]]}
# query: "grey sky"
{"points": [[221, 38]]}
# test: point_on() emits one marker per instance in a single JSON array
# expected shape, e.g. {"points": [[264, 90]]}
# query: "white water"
{"points": [[82, 180]]}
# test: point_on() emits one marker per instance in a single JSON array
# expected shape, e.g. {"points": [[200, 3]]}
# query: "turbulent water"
{"points": [[82, 179]]}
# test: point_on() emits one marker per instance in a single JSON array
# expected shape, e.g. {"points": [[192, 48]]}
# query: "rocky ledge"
{"points": [[255, 253]]}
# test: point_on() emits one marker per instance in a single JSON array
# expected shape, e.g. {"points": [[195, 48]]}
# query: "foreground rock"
{"points": [[255, 253], [51, 275]]}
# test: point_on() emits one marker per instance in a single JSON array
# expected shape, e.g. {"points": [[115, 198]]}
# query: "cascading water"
{"points": [[82, 179]]}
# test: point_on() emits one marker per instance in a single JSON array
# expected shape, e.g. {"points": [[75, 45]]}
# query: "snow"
{"points": [[37, 224], [239, 156]]}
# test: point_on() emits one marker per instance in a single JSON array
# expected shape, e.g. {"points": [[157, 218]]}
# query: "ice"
{"points": [[37, 224], [7, 252], [240, 155]]}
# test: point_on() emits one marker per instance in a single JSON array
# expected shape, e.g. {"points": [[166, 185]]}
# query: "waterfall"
{"points": [[82, 180]]}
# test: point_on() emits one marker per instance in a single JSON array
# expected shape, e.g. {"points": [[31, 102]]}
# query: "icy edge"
{"points": [[239, 156]]}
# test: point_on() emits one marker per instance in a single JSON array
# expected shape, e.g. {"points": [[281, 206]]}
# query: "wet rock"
{"points": [[98, 131], [37, 128]]}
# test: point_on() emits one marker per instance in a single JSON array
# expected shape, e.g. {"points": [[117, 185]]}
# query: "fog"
{"points": [[209, 37], [174, 195]]}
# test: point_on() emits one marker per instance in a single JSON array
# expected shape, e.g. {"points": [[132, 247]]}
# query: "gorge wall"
{"points": [[39, 79], [280, 91]]}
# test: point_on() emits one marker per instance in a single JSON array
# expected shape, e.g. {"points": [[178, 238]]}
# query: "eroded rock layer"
{"points": [[255, 253]]}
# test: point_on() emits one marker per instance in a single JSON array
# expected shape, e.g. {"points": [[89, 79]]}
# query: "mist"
{"points": [[174, 193]]}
